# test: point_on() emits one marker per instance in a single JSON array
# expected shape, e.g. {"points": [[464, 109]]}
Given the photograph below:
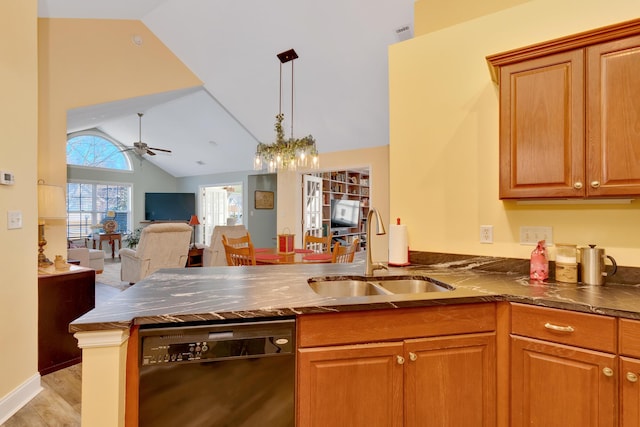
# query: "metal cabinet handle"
{"points": [[607, 371], [412, 356], [577, 185], [595, 184], [558, 328], [632, 377], [400, 360]]}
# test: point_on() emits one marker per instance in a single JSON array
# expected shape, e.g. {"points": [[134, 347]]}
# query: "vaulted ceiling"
{"points": [[340, 81]]}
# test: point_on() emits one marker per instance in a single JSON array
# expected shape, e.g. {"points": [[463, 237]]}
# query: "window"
{"points": [[93, 149], [88, 204]]}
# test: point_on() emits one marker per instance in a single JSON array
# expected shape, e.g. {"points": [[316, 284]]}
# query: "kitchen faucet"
{"points": [[370, 266]]}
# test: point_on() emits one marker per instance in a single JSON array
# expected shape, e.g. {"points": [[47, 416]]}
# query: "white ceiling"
{"points": [[341, 76]]}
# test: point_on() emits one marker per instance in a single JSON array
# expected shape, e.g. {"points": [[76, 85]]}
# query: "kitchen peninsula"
{"points": [[177, 296]]}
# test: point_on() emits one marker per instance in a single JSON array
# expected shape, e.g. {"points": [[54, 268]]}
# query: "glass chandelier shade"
{"points": [[286, 153]]}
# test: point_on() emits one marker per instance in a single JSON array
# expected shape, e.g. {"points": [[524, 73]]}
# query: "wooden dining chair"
{"points": [[237, 256], [317, 244], [237, 242], [344, 254]]}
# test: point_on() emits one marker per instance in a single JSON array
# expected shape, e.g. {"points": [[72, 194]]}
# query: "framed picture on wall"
{"points": [[264, 199]]}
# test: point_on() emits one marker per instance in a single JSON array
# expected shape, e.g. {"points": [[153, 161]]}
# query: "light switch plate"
{"points": [[530, 235], [14, 220]]}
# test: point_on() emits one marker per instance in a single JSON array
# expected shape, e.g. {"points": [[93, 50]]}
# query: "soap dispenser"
{"points": [[539, 267]]}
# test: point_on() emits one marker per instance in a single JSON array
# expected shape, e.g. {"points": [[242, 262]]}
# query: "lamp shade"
{"points": [[194, 220], [51, 202]]}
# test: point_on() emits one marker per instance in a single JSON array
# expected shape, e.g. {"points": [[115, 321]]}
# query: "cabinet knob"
{"points": [[632, 377], [412, 356], [400, 360], [577, 185], [595, 184], [607, 372]]}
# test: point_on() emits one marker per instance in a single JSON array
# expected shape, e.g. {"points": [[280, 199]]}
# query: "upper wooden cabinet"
{"points": [[570, 116]]}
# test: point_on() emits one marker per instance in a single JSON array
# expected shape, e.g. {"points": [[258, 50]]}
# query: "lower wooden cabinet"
{"points": [[559, 385], [434, 380], [629, 392], [450, 381], [353, 385], [447, 381]]}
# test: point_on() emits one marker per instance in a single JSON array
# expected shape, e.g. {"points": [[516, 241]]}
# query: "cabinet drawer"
{"points": [[563, 326], [630, 337], [354, 327]]}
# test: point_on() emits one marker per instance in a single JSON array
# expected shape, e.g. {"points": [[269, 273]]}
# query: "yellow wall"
{"points": [[432, 15], [18, 145], [86, 62], [444, 137]]}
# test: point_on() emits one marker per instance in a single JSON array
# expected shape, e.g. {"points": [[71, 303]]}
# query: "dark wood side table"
{"points": [[195, 257], [62, 298], [111, 238]]}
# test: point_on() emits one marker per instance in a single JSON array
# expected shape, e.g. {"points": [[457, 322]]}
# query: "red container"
{"points": [[285, 243]]}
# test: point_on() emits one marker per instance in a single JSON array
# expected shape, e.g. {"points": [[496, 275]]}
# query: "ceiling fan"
{"points": [[141, 148]]}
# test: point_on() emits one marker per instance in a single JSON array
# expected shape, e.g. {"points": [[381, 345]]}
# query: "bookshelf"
{"points": [[351, 185]]}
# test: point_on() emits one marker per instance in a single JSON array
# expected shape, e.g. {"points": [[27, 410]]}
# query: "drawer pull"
{"points": [[558, 328], [400, 360], [631, 377], [413, 356], [607, 372]]}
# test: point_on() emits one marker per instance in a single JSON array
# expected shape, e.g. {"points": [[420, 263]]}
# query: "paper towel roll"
{"points": [[398, 245]]}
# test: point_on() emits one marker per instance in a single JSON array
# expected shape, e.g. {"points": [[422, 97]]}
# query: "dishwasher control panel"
{"points": [[216, 342], [156, 353]]}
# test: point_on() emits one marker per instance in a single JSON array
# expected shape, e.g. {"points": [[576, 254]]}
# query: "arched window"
{"points": [[91, 203], [91, 149]]}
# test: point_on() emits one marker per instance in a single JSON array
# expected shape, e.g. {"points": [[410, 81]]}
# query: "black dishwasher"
{"points": [[222, 375]]}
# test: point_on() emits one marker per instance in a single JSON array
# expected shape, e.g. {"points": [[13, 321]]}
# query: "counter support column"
{"points": [[103, 377]]}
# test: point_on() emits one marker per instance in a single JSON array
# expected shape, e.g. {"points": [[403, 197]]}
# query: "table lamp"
{"points": [[51, 205], [193, 221]]}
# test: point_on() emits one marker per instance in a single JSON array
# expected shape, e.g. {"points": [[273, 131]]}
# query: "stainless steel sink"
{"points": [[341, 286], [345, 288], [412, 286]]}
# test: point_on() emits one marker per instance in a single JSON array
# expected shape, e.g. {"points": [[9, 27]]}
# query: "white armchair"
{"points": [[214, 255], [160, 246]]}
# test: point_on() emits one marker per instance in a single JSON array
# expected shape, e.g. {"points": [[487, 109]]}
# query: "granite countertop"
{"points": [[216, 293]]}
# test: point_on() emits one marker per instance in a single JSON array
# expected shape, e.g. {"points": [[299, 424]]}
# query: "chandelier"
{"points": [[291, 153]]}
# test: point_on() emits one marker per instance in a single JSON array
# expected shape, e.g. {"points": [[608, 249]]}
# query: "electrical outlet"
{"points": [[486, 234], [530, 235]]}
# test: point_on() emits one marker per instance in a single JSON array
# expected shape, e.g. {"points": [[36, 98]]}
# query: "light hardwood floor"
{"points": [[58, 404]]}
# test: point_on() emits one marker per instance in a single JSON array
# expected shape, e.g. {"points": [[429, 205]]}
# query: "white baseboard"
{"points": [[12, 402]]}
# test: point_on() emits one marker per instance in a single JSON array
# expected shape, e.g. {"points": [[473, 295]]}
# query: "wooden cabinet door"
{"points": [[613, 118], [558, 385], [352, 385], [542, 127], [629, 392], [451, 381]]}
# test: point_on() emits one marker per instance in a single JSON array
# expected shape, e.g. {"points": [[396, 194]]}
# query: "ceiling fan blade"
{"points": [[151, 153], [159, 149]]}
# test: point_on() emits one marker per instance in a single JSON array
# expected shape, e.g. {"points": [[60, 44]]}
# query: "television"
{"points": [[169, 206], [345, 213]]}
